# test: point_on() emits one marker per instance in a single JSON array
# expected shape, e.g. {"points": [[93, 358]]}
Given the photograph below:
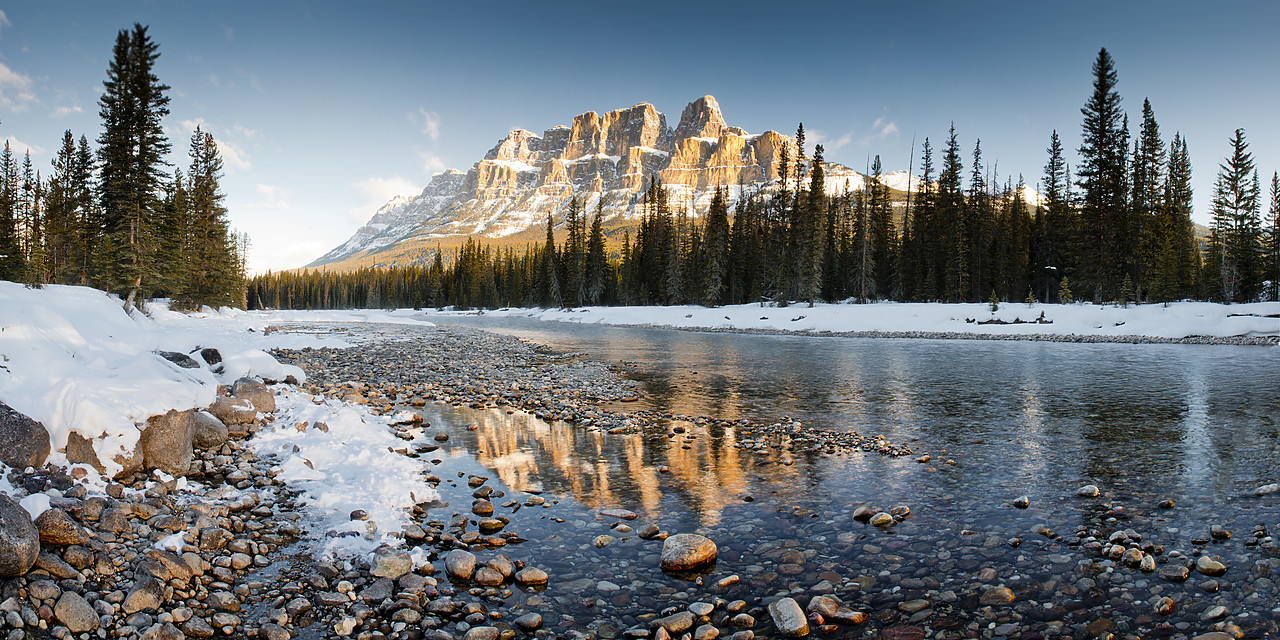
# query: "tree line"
{"points": [[1119, 230], [113, 217]]}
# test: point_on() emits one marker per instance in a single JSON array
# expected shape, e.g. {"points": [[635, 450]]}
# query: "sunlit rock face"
{"points": [[605, 160]]}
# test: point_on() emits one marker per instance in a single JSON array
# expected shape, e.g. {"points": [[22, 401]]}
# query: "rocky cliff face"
{"points": [[603, 159]]}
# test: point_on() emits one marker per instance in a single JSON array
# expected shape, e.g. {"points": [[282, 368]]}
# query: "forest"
{"points": [[1117, 231], [113, 217]]}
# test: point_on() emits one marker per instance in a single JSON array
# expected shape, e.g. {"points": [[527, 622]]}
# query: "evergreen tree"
{"points": [[925, 233], [1102, 176], [715, 250], [1149, 237], [133, 146], [12, 263], [882, 235], [549, 276], [1271, 243], [1236, 236], [209, 259], [953, 233], [813, 213], [1185, 247], [597, 263]]}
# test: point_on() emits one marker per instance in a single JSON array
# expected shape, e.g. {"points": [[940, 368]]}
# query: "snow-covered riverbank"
{"points": [[1183, 321]]}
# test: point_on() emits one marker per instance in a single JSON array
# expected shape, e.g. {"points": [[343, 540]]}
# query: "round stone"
{"points": [[685, 551]]}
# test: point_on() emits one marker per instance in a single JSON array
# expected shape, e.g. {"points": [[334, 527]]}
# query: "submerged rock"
{"points": [[685, 551]]}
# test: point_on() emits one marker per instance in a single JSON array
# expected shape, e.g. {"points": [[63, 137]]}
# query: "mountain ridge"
{"points": [[605, 160]]}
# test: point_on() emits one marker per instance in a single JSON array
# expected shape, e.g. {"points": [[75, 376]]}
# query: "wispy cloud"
{"points": [[229, 33], [376, 191], [430, 122], [819, 137], [884, 128], [15, 89], [233, 157], [19, 147], [431, 163], [4, 20], [62, 112], [271, 197]]}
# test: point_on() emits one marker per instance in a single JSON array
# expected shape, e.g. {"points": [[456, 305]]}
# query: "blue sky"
{"points": [[324, 110]]}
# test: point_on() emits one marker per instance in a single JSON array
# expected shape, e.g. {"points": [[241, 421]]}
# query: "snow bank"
{"points": [[349, 463], [1177, 320], [74, 360]]}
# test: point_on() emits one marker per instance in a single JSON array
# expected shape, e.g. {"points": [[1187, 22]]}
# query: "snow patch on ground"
{"points": [[347, 464], [1177, 320]]}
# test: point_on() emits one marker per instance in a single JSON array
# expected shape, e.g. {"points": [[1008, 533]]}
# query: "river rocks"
{"points": [[166, 442], [531, 576], [1210, 567], [832, 611], [1173, 573], [147, 594], [488, 577], [460, 564], [392, 563], [256, 393], [883, 520], [1267, 489], [75, 614], [1022, 502], [621, 514], [996, 596], [19, 539], [23, 441], [686, 551], [1219, 533], [602, 541], [233, 411], [56, 527], [210, 433], [789, 618], [1088, 491], [1165, 606], [676, 623]]}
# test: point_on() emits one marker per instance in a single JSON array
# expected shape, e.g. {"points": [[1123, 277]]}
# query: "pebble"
{"points": [[789, 618]]}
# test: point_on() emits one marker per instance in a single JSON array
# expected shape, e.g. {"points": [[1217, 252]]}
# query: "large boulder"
{"points": [[210, 432], [166, 442], [23, 441], [19, 539], [256, 392], [80, 450], [685, 551], [56, 527]]}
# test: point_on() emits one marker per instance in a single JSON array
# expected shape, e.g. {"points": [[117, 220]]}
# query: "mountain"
{"points": [[604, 159]]}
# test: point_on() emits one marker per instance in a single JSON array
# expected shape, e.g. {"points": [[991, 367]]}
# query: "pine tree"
{"points": [[1177, 201], [133, 146], [1237, 226], [1102, 175], [883, 238], [716, 250], [597, 262], [953, 236], [207, 262], [1149, 236], [1271, 242], [813, 213], [925, 234], [12, 262]]}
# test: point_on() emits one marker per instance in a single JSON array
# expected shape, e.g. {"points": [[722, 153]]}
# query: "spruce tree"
{"points": [[882, 235], [551, 296], [132, 150], [12, 261], [715, 248], [953, 237], [1185, 247], [1101, 175], [1271, 243], [61, 214], [1233, 258], [208, 260], [597, 263], [1149, 236], [813, 212]]}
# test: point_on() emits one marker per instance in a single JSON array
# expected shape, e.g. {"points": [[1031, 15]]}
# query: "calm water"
{"points": [[1193, 424]]}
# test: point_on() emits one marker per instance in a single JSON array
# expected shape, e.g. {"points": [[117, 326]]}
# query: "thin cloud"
{"points": [[271, 197], [819, 137], [233, 157], [19, 147], [4, 20], [376, 192], [15, 89], [62, 112], [431, 163], [430, 122], [229, 33], [884, 128]]}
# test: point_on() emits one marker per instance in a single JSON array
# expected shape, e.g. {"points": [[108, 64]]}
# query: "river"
{"points": [[1193, 425]]}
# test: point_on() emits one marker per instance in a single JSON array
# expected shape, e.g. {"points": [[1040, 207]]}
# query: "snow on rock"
{"points": [[343, 458], [72, 359]]}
